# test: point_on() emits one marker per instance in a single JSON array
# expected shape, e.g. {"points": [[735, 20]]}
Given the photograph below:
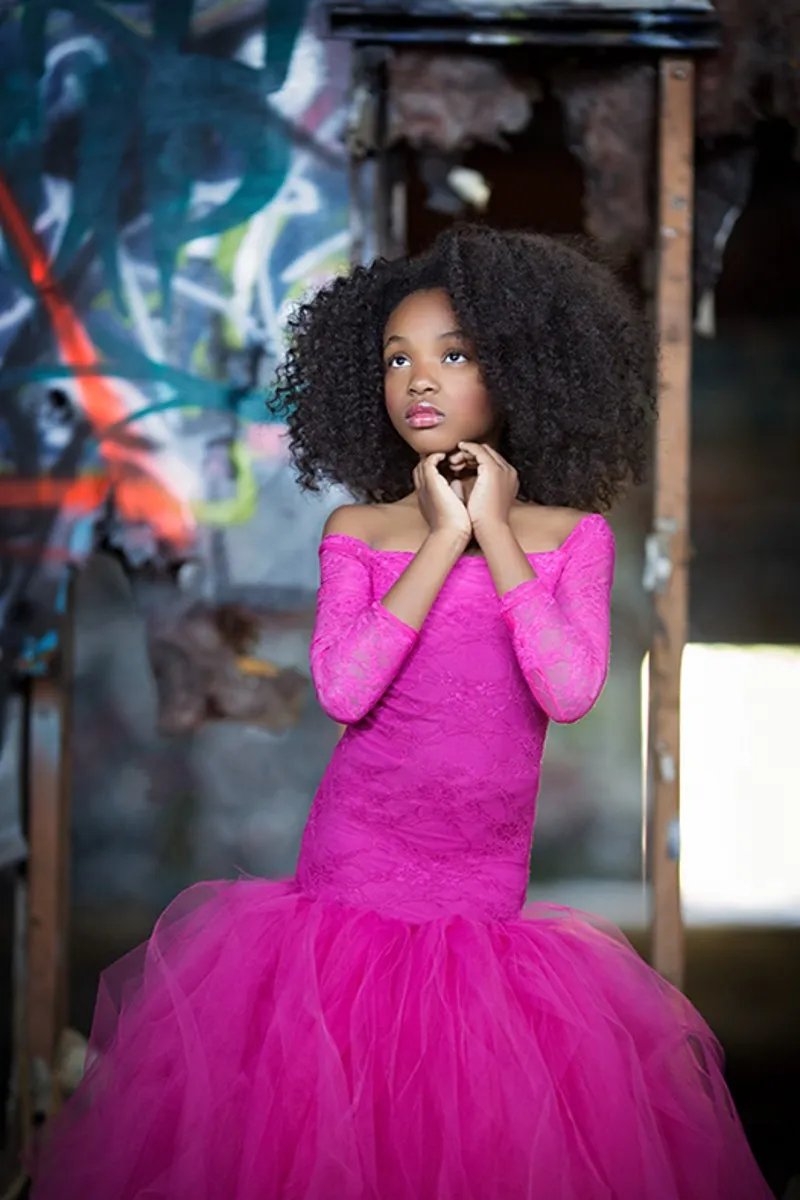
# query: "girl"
{"points": [[391, 1024]]}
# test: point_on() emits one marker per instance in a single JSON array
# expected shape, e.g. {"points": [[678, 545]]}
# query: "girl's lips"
{"points": [[422, 417]]}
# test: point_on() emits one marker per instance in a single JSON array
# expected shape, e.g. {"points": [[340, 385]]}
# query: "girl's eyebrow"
{"points": [[394, 338]]}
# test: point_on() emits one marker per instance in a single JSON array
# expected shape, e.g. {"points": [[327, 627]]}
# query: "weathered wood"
{"points": [[669, 542], [47, 788]]}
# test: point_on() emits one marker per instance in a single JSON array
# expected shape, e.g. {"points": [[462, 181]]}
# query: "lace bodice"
{"points": [[427, 806]]}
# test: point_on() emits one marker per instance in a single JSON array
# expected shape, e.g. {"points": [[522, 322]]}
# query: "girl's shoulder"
{"points": [[541, 528], [377, 525], [351, 520]]}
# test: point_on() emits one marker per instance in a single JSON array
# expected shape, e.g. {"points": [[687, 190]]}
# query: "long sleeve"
{"points": [[358, 645], [561, 631]]}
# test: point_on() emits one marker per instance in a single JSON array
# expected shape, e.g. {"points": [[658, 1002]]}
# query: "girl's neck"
{"points": [[463, 486], [464, 480]]}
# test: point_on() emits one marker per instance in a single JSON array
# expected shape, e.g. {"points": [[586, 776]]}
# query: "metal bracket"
{"points": [[658, 561], [674, 841], [362, 122]]}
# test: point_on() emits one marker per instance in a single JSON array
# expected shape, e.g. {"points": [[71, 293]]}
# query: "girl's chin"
{"points": [[435, 441], [432, 445]]}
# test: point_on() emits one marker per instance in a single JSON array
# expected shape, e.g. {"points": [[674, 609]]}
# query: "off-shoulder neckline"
{"points": [[356, 542]]}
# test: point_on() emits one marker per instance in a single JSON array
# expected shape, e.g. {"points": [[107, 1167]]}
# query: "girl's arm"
{"points": [[412, 597], [489, 506], [361, 641], [561, 633], [358, 646], [450, 526], [508, 564]]}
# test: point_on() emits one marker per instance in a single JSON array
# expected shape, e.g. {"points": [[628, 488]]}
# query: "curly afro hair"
{"points": [[565, 357]]}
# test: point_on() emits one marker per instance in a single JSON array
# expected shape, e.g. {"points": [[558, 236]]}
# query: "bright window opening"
{"points": [[740, 787]]}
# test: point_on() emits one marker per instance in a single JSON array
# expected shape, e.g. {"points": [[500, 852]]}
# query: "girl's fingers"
{"points": [[486, 455], [431, 461], [498, 458], [479, 453], [431, 473]]}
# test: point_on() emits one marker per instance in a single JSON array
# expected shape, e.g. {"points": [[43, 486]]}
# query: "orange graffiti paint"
{"points": [[140, 497], [81, 495]]}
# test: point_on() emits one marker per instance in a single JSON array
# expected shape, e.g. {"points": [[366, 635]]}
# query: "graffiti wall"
{"points": [[172, 177]]}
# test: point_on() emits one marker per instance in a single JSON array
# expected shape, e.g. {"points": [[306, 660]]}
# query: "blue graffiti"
{"points": [[144, 145]]}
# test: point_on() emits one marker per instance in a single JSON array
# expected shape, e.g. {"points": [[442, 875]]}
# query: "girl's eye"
{"points": [[397, 360], [455, 356]]}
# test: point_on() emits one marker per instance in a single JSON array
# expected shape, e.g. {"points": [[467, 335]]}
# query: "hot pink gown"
{"points": [[392, 1024]]}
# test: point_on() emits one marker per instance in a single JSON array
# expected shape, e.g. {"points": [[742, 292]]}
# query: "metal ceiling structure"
{"points": [[676, 26]]}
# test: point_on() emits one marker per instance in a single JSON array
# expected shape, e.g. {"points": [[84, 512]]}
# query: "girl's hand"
{"points": [[462, 463], [495, 489], [441, 503]]}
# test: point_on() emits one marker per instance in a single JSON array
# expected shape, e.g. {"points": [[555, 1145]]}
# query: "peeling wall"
{"points": [[443, 103]]}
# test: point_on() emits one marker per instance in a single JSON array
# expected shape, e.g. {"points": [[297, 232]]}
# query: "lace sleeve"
{"points": [[561, 633], [358, 645]]}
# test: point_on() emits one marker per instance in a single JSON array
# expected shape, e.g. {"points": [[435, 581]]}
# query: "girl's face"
{"points": [[435, 396]]}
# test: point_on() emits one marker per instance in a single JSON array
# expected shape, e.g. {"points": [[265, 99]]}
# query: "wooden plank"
{"points": [[48, 772], [668, 545]]}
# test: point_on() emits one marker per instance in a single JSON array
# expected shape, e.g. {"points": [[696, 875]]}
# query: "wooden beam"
{"points": [[47, 780], [668, 545]]}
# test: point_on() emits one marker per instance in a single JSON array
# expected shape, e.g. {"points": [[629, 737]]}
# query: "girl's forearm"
{"points": [[507, 562], [413, 596]]}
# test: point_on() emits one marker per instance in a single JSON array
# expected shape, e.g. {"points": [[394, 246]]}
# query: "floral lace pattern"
{"points": [[561, 639], [428, 804], [358, 646]]}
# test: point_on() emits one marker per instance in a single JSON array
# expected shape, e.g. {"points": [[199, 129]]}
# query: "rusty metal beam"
{"points": [[47, 778], [677, 27]]}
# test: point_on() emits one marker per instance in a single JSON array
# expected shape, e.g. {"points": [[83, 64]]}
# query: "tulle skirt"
{"points": [[264, 1045]]}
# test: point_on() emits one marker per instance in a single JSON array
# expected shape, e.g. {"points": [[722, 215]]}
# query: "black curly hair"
{"points": [[566, 359]]}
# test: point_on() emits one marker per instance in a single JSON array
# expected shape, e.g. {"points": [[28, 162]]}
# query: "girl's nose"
{"points": [[421, 385]]}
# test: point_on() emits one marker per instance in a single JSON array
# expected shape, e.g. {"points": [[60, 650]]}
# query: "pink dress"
{"points": [[391, 1024]]}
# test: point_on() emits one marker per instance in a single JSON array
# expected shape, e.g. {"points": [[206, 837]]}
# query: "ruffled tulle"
{"points": [[264, 1045]]}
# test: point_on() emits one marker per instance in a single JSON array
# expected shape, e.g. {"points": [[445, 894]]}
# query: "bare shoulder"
{"points": [[544, 528], [352, 520]]}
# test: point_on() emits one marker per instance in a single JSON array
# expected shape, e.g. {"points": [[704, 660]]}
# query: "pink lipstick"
{"points": [[424, 416]]}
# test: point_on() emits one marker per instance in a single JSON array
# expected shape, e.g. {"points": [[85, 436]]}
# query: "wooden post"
{"points": [[668, 545], [47, 780]]}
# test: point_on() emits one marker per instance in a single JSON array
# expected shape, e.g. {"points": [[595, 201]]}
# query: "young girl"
{"points": [[392, 1024]]}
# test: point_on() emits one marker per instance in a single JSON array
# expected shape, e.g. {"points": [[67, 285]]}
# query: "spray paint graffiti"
{"points": [[172, 178]]}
